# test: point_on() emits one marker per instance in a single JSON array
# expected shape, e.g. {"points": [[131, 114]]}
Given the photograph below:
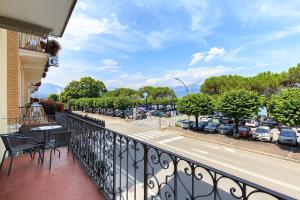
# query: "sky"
{"points": [[133, 43]]}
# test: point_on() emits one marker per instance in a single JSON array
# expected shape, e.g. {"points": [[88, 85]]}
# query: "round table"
{"points": [[46, 131]]}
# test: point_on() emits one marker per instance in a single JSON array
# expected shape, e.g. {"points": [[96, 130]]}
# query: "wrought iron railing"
{"points": [[126, 168], [91, 119], [32, 42]]}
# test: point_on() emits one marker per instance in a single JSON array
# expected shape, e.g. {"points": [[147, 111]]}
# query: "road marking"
{"points": [[149, 135], [229, 150], [203, 152], [170, 140], [143, 135], [237, 169], [210, 146]]}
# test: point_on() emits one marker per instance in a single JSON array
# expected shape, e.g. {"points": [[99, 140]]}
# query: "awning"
{"points": [[37, 17]]}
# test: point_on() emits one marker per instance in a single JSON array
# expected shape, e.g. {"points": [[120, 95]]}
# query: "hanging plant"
{"points": [[37, 84], [53, 47]]}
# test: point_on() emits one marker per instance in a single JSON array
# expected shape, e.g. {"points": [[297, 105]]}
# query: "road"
{"points": [[277, 174]]}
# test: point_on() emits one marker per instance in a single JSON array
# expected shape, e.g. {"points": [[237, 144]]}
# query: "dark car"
{"points": [[187, 124], [244, 131], [211, 128], [201, 126], [226, 129], [270, 123], [288, 137]]}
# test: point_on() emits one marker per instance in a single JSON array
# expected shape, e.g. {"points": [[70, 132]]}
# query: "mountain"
{"points": [[181, 91], [48, 88]]}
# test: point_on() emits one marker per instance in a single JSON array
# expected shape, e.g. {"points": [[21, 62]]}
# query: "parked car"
{"points": [[252, 123], [201, 126], [179, 122], [206, 119], [288, 137], [244, 131], [211, 127], [226, 129], [270, 122], [187, 124], [263, 133]]}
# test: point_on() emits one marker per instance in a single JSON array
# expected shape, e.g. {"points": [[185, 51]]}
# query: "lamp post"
{"points": [[146, 96], [187, 90]]}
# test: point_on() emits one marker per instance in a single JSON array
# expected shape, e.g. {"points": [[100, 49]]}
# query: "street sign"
{"points": [[53, 61]]}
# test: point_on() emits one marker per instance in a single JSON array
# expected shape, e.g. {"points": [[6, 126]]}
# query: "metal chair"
{"points": [[15, 143], [57, 140]]}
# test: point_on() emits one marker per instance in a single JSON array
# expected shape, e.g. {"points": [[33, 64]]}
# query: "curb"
{"points": [[245, 149]]}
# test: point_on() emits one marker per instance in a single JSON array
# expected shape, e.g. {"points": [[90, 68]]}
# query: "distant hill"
{"points": [[48, 88], [181, 91]]}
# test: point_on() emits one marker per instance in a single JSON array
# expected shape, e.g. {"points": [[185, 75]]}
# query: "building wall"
{"points": [[3, 85], [12, 75]]}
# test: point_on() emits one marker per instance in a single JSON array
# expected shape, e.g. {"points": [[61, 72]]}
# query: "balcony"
{"points": [[122, 167], [32, 42]]}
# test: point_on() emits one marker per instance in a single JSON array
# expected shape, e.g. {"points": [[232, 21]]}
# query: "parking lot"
{"points": [[155, 123]]}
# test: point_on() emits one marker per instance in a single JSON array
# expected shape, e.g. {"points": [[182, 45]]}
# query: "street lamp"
{"points": [[146, 96], [187, 90]]}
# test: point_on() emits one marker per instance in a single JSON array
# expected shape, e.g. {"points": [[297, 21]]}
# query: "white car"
{"points": [[252, 123], [263, 133]]}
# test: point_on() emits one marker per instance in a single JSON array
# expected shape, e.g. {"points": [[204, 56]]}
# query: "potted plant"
{"points": [[54, 47]]}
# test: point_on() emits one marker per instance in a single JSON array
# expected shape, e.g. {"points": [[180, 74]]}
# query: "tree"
{"points": [[123, 103], [196, 104], [239, 104], [53, 97], [292, 76], [285, 107], [156, 95], [86, 87], [121, 92]]}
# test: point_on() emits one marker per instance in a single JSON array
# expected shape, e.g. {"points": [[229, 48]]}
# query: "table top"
{"points": [[46, 128]]}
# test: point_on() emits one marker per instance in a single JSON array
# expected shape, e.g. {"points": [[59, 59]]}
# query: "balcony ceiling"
{"points": [[37, 17], [33, 64]]}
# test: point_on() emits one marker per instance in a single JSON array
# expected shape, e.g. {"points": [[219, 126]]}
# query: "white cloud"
{"points": [[82, 5], [207, 56], [109, 62], [196, 57], [214, 52], [83, 28], [256, 11], [190, 76], [109, 65]]}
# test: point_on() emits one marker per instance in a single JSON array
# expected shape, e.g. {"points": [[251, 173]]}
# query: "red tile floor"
{"points": [[67, 180]]}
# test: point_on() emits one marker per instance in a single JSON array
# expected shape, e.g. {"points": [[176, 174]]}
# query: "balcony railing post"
{"points": [[175, 177], [114, 165], [145, 171]]}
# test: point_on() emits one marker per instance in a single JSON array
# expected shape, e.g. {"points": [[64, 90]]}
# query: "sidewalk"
{"points": [[269, 149]]}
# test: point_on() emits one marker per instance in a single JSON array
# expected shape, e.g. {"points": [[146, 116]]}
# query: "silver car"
{"points": [[288, 137], [263, 133]]}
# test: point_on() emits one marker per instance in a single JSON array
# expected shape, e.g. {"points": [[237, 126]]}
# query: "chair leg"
{"points": [[30, 155], [3, 159], [10, 164], [50, 159]]}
